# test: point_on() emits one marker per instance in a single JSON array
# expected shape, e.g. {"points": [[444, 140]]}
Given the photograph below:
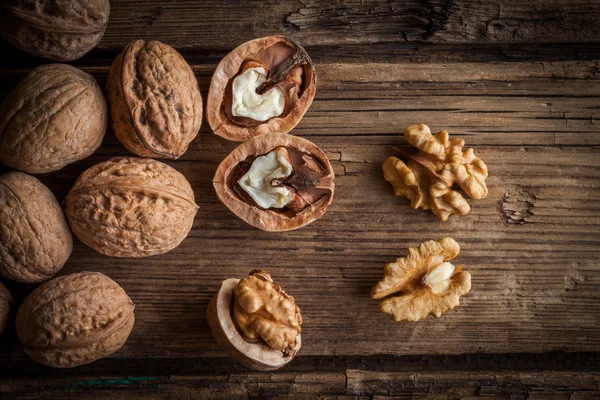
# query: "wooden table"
{"points": [[519, 81]]}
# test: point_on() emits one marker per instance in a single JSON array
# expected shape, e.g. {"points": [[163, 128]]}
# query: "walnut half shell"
{"points": [[283, 66], [308, 188], [256, 322]]}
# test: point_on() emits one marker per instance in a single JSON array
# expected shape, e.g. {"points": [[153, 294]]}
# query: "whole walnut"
{"points": [[131, 207], [75, 319], [61, 30], [5, 304], [155, 102], [35, 240], [55, 116]]}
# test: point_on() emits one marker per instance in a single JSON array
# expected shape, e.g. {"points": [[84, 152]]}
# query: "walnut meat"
{"points": [[276, 182], [155, 102], [426, 281], [35, 240], [256, 322], [264, 85], [5, 306], [75, 319], [55, 116], [131, 207], [61, 30], [427, 177]]}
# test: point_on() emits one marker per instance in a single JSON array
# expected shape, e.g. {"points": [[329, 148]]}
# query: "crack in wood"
{"points": [[516, 205]]}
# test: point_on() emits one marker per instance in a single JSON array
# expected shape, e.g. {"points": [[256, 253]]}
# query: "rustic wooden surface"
{"points": [[520, 82]]}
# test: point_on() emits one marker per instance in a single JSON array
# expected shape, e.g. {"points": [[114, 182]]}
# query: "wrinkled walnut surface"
{"points": [[318, 192], [55, 116], [5, 306], [75, 319], [427, 176], [297, 80], [131, 207], [60, 30], [263, 311], [156, 106], [35, 240], [408, 276]]}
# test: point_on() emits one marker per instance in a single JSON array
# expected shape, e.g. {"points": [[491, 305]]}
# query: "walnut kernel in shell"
{"points": [[75, 319], [155, 102], [35, 240], [131, 207]]}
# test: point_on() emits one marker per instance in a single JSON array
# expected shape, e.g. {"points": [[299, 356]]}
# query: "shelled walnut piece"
{"points": [[426, 281], [276, 182], [256, 322], [264, 85], [430, 171], [5, 306]]}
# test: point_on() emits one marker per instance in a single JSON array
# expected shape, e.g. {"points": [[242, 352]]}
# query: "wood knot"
{"points": [[516, 205]]}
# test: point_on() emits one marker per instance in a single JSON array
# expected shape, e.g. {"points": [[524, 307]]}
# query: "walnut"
{"points": [[35, 240], [427, 177], [131, 207], [261, 330], [265, 85], [75, 319], [427, 282], [61, 30], [155, 102], [5, 306], [55, 116]]}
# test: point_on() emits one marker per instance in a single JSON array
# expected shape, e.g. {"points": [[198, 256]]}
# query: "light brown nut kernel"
{"points": [[310, 185], [263, 311], [286, 68], [427, 177], [131, 207], [60, 30], [55, 116], [427, 283], [155, 102], [260, 328], [35, 240], [5, 306], [75, 319]]}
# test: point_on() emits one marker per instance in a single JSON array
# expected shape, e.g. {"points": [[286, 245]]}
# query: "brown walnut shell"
{"points": [[75, 319], [131, 207], [35, 240], [270, 51], [60, 30], [271, 219], [258, 356], [155, 102], [55, 116], [5, 306]]}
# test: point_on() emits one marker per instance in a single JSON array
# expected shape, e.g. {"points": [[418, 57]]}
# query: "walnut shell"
{"points": [[35, 240], [61, 30], [5, 306], [75, 319], [55, 116], [131, 207], [270, 51], [270, 219], [155, 102]]}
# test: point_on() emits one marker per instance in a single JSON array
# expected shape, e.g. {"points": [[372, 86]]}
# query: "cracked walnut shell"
{"points": [[55, 116], [261, 329], [5, 306], [60, 30], [264, 85], [35, 240], [131, 207], [276, 182], [75, 319], [427, 176], [155, 102], [426, 281]]}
